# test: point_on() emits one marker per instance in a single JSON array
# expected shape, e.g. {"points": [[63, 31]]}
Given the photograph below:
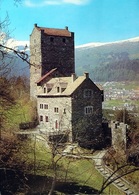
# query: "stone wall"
{"points": [[57, 109], [119, 136], [35, 60], [87, 127], [58, 53]]}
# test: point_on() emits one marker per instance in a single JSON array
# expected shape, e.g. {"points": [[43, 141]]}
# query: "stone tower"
{"points": [[50, 48]]}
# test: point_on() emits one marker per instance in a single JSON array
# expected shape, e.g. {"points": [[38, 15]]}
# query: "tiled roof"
{"points": [[68, 83], [55, 32], [72, 86], [46, 75]]}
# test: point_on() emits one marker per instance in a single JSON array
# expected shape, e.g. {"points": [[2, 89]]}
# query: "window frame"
{"points": [[56, 110], [46, 119], [41, 106], [86, 93], [41, 118], [46, 106], [88, 110]]}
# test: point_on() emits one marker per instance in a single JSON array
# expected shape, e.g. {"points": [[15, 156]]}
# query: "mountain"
{"points": [[16, 66], [112, 61]]}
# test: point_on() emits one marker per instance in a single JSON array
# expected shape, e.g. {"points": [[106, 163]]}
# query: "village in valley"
{"points": [[119, 95]]}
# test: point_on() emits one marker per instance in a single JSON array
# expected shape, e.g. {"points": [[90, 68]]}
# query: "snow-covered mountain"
{"points": [[98, 44], [18, 45]]}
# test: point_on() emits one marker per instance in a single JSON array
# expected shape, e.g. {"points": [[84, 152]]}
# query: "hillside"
{"points": [[117, 61]]}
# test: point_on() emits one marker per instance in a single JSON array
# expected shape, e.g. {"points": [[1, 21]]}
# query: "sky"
{"points": [[90, 20]]}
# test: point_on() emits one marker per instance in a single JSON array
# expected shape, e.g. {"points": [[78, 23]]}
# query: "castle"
{"points": [[66, 104]]}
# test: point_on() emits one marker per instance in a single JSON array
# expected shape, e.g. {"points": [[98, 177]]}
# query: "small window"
{"points": [[64, 40], [88, 110], [51, 39], [56, 110], [56, 124], [88, 93], [46, 106], [64, 112], [41, 106], [46, 119], [41, 118], [44, 90], [34, 40], [58, 89]]}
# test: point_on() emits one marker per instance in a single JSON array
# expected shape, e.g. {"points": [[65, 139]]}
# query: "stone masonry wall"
{"points": [[87, 124], [62, 115], [58, 53], [119, 138], [35, 60]]}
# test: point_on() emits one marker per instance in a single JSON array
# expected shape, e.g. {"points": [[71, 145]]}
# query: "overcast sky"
{"points": [[91, 20]]}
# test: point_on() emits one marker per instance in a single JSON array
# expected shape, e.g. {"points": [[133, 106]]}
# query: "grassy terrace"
{"points": [[81, 171]]}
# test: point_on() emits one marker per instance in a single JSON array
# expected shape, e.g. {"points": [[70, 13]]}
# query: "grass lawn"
{"points": [[81, 171]]}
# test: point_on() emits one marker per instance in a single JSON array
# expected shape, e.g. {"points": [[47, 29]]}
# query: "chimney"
{"points": [[35, 25], [86, 74], [66, 27], [73, 77]]}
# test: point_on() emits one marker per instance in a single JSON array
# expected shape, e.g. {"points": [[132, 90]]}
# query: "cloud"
{"points": [[42, 3]]}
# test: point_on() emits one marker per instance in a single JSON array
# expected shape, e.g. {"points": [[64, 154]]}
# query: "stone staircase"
{"points": [[104, 170]]}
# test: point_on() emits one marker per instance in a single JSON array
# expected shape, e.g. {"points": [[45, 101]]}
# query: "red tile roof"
{"points": [[46, 75], [55, 32]]}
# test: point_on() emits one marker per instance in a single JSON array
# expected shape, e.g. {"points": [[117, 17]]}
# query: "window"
{"points": [[88, 110], [58, 89], [41, 118], [88, 93], [51, 39], [64, 112], [64, 40], [45, 106], [46, 118], [56, 110], [41, 106], [44, 90], [56, 124]]}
